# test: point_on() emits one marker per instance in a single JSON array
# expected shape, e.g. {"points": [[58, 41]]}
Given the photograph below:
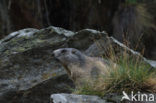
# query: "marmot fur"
{"points": [[79, 66]]}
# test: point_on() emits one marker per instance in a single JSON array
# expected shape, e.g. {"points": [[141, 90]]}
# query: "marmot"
{"points": [[79, 66]]}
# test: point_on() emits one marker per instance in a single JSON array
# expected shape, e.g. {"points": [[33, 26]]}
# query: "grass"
{"points": [[131, 74]]}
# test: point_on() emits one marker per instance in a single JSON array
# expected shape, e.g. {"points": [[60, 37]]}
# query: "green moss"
{"points": [[20, 49], [7, 52], [41, 36], [39, 41]]}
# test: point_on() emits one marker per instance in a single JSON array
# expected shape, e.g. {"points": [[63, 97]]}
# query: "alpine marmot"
{"points": [[79, 66]]}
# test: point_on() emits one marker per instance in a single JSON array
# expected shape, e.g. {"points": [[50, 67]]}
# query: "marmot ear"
{"points": [[73, 51], [63, 51]]}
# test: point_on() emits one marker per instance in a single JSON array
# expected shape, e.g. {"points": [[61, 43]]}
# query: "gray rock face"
{"points": [[26, 61], [103, 46], [39, 93], [72, 98]]}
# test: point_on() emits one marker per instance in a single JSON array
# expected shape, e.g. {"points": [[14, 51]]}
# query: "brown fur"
{"points": [[87, 68]]}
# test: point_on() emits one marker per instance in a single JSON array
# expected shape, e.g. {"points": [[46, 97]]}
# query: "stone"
{"points": [[26, 62], [73, 98], [102, 47]]}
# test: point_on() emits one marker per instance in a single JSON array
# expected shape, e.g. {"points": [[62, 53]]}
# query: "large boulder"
{"points": [[26, 61]]}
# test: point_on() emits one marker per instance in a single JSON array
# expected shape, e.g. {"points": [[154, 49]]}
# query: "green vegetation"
{"points": [[129, 75]]}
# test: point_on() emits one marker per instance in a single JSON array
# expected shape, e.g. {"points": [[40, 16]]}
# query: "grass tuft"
{"points": [[131, 74]]}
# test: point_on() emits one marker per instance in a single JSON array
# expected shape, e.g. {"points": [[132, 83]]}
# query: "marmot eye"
{"points": [[63, 51], [73, 51]]}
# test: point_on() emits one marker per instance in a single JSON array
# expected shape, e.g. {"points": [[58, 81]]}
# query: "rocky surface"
{"points": [[104, 46], [39, 93], [72, 98], [29, 72], [26, 61]]}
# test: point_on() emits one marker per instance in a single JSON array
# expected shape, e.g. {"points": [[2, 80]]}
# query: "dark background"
{"points": [[130, 21]]}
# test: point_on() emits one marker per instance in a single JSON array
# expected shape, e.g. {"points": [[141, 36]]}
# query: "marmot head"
{"points": [[69, 56]]}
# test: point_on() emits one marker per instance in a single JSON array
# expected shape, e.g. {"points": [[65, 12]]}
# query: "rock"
{"points": [[103, 46], [24, 32], [85, 36], [26, 61], [73, 98], [110, 98], [39, 93], [152, 62]]}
